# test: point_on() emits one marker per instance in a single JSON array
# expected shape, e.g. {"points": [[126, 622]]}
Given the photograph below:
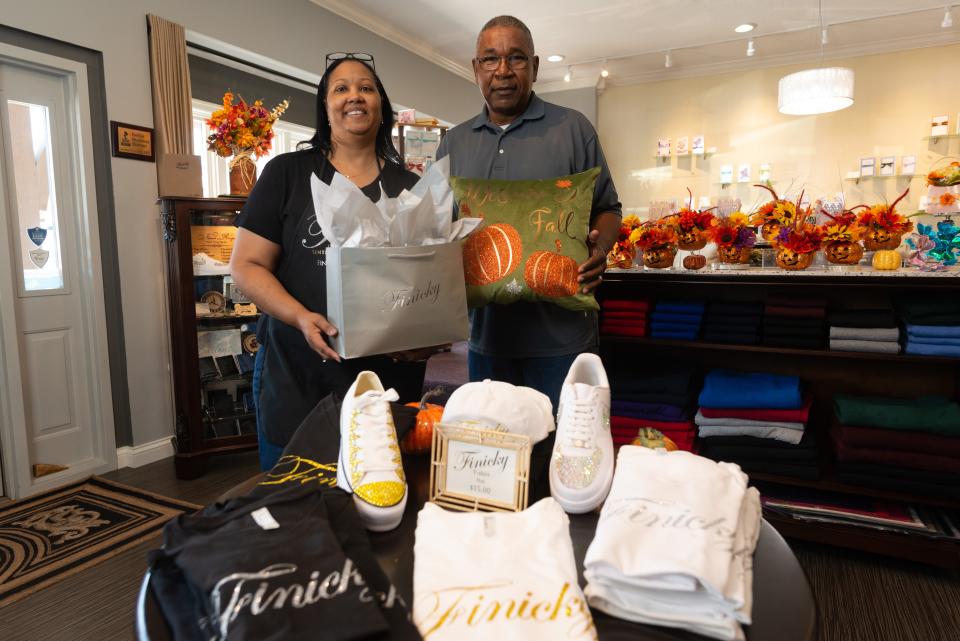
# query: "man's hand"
{"points": [[315, 329], [599, 241]]}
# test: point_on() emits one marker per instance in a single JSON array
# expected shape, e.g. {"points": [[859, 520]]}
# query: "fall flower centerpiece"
{"points": [[734, 238], [692, 225], [882, 226], [774, 215], [658, 242], [798, 243], [841, 235], [242, 130], [623, 251], [943, 190]]}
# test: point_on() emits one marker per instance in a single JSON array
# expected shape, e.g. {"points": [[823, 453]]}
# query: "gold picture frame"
{"points": [[474, 469]]}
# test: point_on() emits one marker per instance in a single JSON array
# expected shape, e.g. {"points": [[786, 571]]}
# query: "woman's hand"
{"points": [[315, 328], [418, 355]]}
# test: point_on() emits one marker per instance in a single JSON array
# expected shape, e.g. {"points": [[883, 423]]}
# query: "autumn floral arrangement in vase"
{"points": [[797, 243], [772, 216], [244, 131], [841, 238], [692, 225], [623, 252], [883, 227], [734, 238], [943, 190], [658, 242]]}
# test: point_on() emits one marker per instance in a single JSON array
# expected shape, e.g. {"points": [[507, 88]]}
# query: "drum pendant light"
{"points": [[816, 91]]}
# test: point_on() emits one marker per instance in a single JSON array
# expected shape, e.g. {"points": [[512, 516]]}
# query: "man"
{"points": [[518, 136]]}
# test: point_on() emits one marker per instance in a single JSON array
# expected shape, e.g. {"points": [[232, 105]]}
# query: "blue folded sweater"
{"points": [[724, 388]]}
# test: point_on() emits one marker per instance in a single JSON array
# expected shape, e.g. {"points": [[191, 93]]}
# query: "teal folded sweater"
{"points": [[927, 414]]}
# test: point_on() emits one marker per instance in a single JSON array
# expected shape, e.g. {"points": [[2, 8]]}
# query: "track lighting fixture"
{"points": [[947, 19], [569, 75], [668, 60], [751, 49]]}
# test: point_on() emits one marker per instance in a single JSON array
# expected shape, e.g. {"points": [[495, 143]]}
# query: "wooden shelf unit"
{"points": [[823, 372]]}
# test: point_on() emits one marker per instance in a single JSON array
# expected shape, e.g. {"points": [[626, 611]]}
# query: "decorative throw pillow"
{"points": [[532, 241]]}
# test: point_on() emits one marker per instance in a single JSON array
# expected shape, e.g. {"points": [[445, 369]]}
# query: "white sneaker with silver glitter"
{"points": [[581, 469], [369, 466]]}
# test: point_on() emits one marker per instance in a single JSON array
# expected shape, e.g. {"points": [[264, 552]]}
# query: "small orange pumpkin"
{"points": [[886, 260], [694, 261], [419, 439]]}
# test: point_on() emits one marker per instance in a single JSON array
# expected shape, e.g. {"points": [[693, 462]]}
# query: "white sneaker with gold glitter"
{"points": [[370, 467], [581, 468]]}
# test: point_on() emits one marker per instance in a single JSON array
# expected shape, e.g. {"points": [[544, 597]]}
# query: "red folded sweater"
{"points": [[627, 422], [874, 438], [625, 314], [898, 458], [623, 330], [623, 304], [793, 416]]}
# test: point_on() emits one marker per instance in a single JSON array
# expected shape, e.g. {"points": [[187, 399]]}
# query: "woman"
{"points": [[279, 254]]}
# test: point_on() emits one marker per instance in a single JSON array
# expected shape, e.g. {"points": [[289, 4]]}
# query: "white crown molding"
{"points": [[560, 85], [141, 455], [387, 31], [762, 62]]}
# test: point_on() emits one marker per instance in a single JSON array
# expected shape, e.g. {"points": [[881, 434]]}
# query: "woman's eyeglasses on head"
{"points": [[352, 55]]}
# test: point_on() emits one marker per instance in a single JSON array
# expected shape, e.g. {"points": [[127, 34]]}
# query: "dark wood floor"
{"points": [[860, 597]]}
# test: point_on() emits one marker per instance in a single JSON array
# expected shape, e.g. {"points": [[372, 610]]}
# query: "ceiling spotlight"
{"points": [[824, 38], [751, 49], [745, 27], [555, 58], [668, 61], [947, 19], [604, 72], [567, 76]]}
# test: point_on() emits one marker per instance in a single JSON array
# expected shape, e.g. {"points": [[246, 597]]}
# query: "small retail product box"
{"points": [[179, 175], [389, 299]]}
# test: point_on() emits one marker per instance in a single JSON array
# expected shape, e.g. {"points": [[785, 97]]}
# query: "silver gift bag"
{"points": [[388, 299]]}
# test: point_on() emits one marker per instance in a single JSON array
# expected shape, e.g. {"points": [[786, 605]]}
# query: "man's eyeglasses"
{"points": [[515, 61], [353, 55]]}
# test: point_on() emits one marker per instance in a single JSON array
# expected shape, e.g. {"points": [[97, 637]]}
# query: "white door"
{"points": [[55, 396]]}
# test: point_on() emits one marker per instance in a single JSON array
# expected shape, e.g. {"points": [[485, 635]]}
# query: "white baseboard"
{"points": [[140, 455]]}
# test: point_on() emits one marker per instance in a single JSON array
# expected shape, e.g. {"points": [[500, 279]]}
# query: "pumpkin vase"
{"points": [[878, 238], [691, 240], [843, 252], [887, 260], [792, 261], [659, 257], [770, 231], [622, 259], [730, 255]]}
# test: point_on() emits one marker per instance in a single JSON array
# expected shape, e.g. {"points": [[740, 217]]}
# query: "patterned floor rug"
{"points": [[48, 537]]}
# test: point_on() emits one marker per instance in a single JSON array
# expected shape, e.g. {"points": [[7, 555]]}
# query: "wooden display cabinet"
{"points": [[822, 371], [212, 345]]}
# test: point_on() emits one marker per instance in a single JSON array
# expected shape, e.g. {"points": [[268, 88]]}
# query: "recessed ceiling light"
{"points": [[555, 58], [745, 27]]}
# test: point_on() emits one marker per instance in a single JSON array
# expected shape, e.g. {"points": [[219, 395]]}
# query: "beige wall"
{"points": [[296, 32], [895, 96]]}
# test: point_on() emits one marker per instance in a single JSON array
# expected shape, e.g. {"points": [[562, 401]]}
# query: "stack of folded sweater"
{"points": [[662, 400], [933, 326], [795, 322], [903, 445], [675, 319], [864, 330], [674, 544], [624, 317], [733, 323], [758, 421]]}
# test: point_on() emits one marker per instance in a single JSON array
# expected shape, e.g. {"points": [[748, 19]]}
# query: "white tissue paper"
{"points": [[419, 216]]}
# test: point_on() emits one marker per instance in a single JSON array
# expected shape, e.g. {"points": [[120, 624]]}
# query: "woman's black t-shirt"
{"points": [[294, 377]]}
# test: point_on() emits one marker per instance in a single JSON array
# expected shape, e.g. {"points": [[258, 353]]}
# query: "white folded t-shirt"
{"points": [[497, 576]]}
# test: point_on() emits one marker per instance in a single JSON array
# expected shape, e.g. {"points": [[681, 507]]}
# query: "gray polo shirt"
{"points": [[545, 142]]}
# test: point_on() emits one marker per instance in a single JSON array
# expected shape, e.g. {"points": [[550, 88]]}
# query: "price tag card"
{"points": [[476, 469]]}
